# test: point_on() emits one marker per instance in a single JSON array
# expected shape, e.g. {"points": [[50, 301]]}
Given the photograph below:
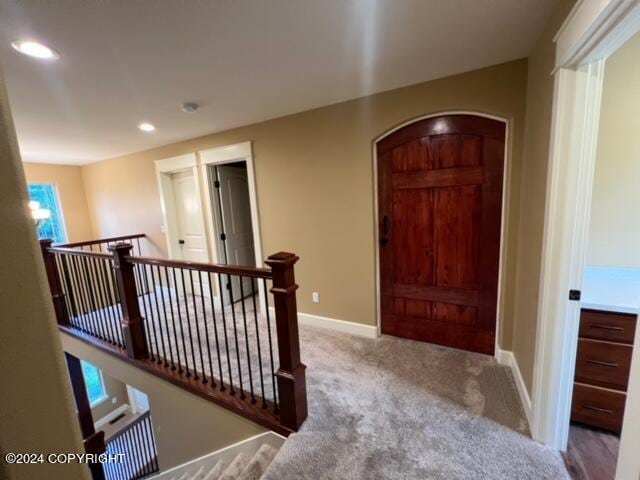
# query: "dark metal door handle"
{"points": [[181, 242]]}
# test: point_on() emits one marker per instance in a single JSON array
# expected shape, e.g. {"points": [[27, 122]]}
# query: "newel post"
{"points": [[292, 385], [53, 276], [132, 324]]}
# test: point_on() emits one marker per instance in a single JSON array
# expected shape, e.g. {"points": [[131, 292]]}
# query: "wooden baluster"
{"points": [[292, 388], [93, 441], [53, 276], [132, 322]]}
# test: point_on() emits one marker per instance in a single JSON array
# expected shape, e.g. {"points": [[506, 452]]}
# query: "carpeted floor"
{"points": [[388, 408], [397, 409]]}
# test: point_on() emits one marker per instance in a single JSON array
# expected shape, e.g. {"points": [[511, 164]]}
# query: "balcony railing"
{"points": [[207, 328]]}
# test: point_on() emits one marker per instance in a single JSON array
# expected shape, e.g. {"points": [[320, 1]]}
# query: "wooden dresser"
{"points": [[603, 361]]}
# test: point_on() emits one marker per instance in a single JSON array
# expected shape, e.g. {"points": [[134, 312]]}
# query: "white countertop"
{"points": [[611, 289]]}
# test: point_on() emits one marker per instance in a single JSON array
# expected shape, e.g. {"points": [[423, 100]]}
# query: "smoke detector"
{"points": [[189, 107]]}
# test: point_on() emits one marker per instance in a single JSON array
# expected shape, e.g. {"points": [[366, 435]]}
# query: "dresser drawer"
{"points": [[603, 364], [609, 326], [598, 407]]}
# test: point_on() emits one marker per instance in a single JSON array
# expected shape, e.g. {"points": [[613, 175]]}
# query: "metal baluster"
{"points": [[246, 338], [151, 320], [82, 321], [206, 331], [90, 314], [186, 308], [100, 297], [273, 373], [226, 337], [184, 346], [195, 319], [255, 318], [166, 321], [157, 311], [215, 330], [111, 322], [173, 320], [147, 333], [235, 334]]}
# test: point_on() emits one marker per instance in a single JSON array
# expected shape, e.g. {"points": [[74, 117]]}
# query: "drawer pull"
{"points": [[608, 327], [603, 364], [597, 409]]}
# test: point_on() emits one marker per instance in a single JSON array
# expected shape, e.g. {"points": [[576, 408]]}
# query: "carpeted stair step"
{"points": [[235, 468], [200, 473], [215, 472], [258, 463]]}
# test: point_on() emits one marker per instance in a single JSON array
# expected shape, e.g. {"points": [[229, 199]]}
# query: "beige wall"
{"points": [[117, 393], [185, 425], [533, 193], [614, 236], [37, 413], [68, 181], [315, 184]]}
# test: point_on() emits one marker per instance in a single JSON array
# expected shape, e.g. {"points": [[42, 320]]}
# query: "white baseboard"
{"points": [[506, 357], [110, 416], [248, 446], [352, 328]]}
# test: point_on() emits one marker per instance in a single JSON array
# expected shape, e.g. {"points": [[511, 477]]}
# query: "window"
{"points": [[94, 382], [47, 197]]}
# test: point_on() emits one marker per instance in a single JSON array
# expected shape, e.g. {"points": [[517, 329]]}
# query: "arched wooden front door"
{"points": [[440, 200]]}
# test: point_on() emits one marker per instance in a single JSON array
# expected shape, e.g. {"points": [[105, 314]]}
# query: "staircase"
{"points": [[247, 460]]}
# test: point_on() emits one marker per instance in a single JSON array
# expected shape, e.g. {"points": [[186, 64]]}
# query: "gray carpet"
{"points": [[378, 409], [397, 409]]}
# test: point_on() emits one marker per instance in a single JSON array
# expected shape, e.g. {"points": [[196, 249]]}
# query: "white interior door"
{"points": [[235, 214], [190, 225]]}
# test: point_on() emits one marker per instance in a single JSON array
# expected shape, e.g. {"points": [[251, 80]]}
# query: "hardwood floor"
{"points": [[592, 454]]}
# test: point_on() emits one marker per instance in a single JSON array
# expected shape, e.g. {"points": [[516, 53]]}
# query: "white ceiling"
{"points": [[125, 61]]}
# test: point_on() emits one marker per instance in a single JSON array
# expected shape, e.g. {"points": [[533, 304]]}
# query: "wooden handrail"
{"points": [[102, 240], [254, 272], [79, 253], [160, 315]]}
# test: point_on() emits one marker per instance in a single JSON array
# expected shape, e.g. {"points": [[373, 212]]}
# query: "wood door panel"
{"points": [[456, 234], [413, 238], [437, 294], [443, 333], [445, 177], [440, 200]]}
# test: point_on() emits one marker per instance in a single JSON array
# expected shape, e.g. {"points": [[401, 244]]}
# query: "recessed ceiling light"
{"points": [[146, 127], [35, 49]]}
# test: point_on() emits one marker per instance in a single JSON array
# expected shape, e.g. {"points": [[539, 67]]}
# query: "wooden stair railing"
{"points": [[204, 327]]}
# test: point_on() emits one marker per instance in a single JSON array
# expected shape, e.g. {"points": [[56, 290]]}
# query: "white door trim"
{"points": [[164, 169], [503, 222], [593, 31], [228, 154]]}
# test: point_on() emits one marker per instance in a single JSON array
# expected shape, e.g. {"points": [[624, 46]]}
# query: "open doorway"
{"points": [[610, 294], [232, 220], [232, 213]]}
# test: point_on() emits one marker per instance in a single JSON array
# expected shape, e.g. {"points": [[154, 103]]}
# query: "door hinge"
{"points": [[575, 294], [223, 237], [216, 184]]}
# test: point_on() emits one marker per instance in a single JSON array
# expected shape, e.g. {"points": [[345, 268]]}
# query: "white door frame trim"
{"points": [[594, 30], [164, 168], [238, 152], [503, 221]]}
